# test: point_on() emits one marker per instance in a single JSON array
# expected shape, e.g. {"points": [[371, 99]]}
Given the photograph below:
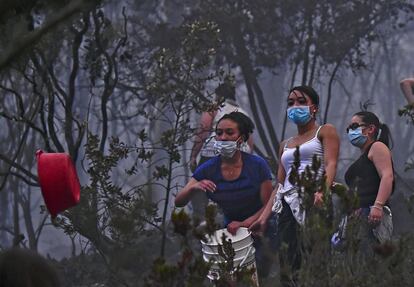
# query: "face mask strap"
{"points": [[239, 143], [379, 133]]}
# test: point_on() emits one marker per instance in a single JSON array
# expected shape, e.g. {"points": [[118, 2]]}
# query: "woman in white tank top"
{"points": [[312, 139]]}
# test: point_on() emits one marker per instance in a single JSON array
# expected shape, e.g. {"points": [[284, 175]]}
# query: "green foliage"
{"points": [[116, 219], [211, 225], [105, 209], [181, 222], [191, 269], [176, 81], [408, 112], [309, 32]]}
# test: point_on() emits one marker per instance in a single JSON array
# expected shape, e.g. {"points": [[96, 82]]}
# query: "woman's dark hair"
{"points": [[313, 95], [244, 123], [382, 132]]}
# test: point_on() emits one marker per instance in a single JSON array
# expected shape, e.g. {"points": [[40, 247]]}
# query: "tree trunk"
{"points": [[16, 224], [331, 79], [31, 235], [255, 92]]}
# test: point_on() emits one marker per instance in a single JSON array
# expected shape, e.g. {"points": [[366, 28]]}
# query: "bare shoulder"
{"points": [[408, 81], [328, 130], [379, 152], [379, 148], [207, 119], [328, 127]]}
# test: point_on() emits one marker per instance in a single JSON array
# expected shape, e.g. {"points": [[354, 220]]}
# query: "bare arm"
{"points": [[407, 86], [184, 195], [381, 157], [203, 131], [265, 194], [267, 211], [330, 141]]}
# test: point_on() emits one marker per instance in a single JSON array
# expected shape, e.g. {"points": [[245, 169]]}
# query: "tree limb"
{"points": [[20, 44]]}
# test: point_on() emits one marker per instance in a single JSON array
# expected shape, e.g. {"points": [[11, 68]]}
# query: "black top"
{"points": [[362, 177]]}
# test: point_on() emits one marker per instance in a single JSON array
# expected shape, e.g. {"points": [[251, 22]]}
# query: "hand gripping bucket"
{"points": [[58, 181], [242, 243]]}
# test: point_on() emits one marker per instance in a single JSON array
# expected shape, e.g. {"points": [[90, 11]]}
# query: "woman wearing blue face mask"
{"points": [[371, 176], [312, 139], [240, 183]]}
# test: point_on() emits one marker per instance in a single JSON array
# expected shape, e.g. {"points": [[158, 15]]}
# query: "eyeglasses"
{"points": [[354, 126]]}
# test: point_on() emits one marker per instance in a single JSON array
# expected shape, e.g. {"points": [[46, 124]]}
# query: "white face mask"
{"points": [[226, 148]]}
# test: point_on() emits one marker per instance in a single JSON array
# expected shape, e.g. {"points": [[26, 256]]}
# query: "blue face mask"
{"points": [[356, 137], [300, 115]]}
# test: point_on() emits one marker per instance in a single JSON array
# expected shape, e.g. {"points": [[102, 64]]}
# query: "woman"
{"points": [[371, 176], [312, 139], [240, 183], [205, 138]]}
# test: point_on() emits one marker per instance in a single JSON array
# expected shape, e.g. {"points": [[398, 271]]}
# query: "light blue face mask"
{"points": [[225, 148], [300, 115], [356, 137]]}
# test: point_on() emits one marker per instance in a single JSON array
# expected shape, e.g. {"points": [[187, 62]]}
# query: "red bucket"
{"points": [[58, 181]]}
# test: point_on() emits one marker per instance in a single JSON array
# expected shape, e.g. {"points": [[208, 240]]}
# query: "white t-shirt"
{"points": [[208, 147]]}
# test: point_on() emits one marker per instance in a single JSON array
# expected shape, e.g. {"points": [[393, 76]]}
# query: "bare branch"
{"points": [[20, 44], [18, 166], [18, 175]]}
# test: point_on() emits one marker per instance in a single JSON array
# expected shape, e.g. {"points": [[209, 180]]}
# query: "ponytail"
{"points": [[383, 135]]}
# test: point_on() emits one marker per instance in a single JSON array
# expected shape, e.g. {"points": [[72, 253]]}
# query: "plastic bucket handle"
{"points": [[245, 256]]}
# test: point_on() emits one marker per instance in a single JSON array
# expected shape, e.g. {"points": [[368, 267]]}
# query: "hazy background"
{"points": [[268, 46]]}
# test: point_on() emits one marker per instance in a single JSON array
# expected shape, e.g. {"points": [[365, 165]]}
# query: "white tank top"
{"points": [[306, 150], [229, 106]]}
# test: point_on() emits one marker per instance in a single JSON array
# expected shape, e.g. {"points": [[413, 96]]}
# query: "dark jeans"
{"points": [[266, 247], [289, 254]]}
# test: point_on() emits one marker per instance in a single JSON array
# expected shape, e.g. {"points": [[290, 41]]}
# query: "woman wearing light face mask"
{"points": [[371, 176], [312, 139], [240, 183]]}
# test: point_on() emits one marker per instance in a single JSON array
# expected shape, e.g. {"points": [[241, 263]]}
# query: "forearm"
{"points": [[248, 221], [203, 131], [407, 89], [384, 191], [330, 171], [184, 196], [267, 211], [198, 144]]}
